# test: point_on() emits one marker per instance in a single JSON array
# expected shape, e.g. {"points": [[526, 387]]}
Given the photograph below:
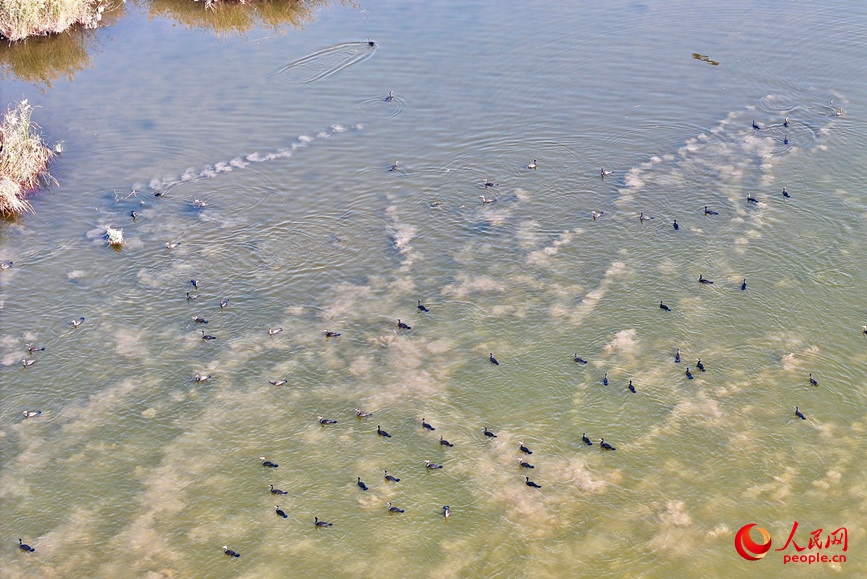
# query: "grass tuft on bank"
{"points": [[22, 18], [24, 159]]}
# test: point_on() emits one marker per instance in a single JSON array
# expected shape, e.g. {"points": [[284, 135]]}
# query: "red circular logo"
{"points": [[749, 549]]}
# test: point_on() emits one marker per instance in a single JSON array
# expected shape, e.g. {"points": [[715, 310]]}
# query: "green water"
{"points": [[134, 469]]}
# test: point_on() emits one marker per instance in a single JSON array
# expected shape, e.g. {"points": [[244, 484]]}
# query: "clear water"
{"points": [[135, 469]]}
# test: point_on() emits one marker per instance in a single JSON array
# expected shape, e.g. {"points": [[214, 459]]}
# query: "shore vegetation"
{"points": [[22, 18], [24, 159]]}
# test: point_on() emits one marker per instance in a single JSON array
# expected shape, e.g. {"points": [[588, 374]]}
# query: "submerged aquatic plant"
{"points": [[24, 159]]}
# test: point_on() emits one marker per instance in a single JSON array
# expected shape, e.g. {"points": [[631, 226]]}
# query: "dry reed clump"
{"points": [[23, 159], [114, 237], [22, 18]]}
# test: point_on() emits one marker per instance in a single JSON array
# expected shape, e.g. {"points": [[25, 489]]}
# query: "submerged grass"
{"points": [[22, 18], [24, 159]]}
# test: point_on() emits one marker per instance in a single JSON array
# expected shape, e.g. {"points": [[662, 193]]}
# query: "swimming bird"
{"points": [[786, 122], [195, 284], [230, 552], [199, 204], [605, 379], [799, 414], [390, 96], [199, 320], [422, 308], [370, 42], [362, 414], [530, 483], [276, 491], [445, 442], [208, 336], [675, 225], [492, 359], [688, 374], [319, 523], [642, 217], [703, 279], [786, 140], [191, 296], [381, 432], [532, 165], [603, 173], [446, 511], [25, 362], [524, 449], [388, 477], [268, 463], [605, 445], [172, 244], [631, 387], [813, 380], [133, 214], [524, 463], [280, 512], [25, 547], [489, 183], [403, 326], [585, 439], [6, 265], [431, 465], [710, 211], [32, 413], [744, 284], [488, 433], [596, 214], [751, 199], [273, 331], [578, 358], [393, 167], [699, 365], [864, 329], [393, 509], [426, 425], [324, 421], [486, 200], [330, 334], [786, 194], [677, 356], [76, 323], [277, 382], [756, 125], [360, 484], [662, 306], [202, 377], [223, 303]]}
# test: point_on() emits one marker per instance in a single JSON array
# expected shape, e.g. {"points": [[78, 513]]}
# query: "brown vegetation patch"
{"points": [[24, 159]]}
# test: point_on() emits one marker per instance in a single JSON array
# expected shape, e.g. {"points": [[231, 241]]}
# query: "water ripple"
{"points": [[323, 63]]}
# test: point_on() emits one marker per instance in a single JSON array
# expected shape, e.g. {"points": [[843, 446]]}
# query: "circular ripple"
{"points": [[381, 107]]}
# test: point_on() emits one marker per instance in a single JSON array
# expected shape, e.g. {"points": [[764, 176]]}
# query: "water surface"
{"points": [[134, 468]]}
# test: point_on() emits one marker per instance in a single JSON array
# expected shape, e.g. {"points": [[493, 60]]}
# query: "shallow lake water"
{"points": [[320, 182]]}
